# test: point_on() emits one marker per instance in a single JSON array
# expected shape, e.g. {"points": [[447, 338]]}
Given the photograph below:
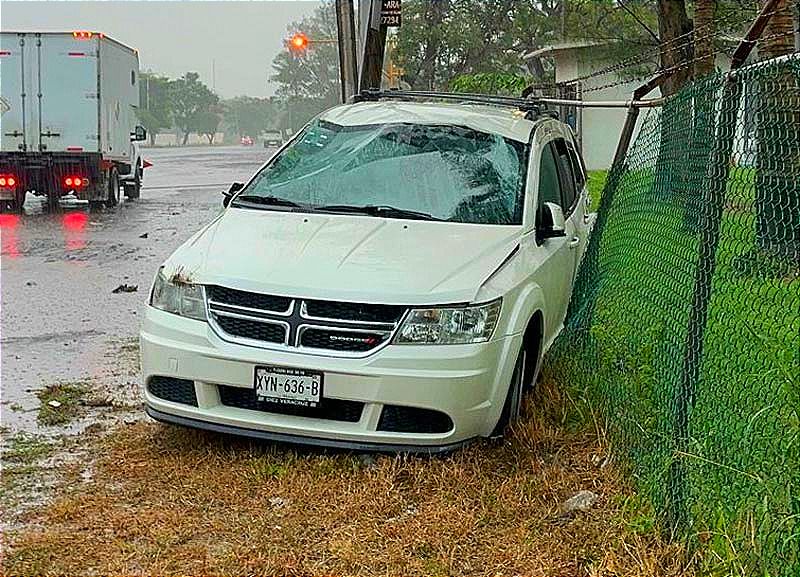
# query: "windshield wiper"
{"points": [[380, 210], [268, 200]]}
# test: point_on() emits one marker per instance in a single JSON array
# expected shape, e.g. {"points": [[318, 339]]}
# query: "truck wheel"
{"points": [[113, 188], [134, 189], [513, 403], [17, 204]]}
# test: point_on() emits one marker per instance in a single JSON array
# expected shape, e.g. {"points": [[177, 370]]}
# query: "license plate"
{"points": [[288, 386]]}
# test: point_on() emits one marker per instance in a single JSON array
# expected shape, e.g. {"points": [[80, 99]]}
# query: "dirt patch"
{"points": [[168, 500]]}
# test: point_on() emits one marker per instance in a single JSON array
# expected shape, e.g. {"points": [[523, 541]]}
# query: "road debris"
{"points": [[126, 288]]}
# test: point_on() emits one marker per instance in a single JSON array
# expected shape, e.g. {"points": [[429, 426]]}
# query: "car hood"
{"points": [[344, 257]]}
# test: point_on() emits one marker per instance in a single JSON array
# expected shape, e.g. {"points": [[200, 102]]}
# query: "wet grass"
{"points": [[60, 402], [170, 500]]}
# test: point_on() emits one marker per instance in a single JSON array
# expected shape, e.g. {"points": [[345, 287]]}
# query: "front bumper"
{"points": [[466, 382]]}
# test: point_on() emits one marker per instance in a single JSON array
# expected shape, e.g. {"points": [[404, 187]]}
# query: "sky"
{"points": [[237, 39]]}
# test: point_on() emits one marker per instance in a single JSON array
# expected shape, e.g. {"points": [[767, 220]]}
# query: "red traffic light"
{"points": [[298, 42]]}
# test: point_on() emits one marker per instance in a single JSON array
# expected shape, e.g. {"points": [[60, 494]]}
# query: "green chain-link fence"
{"points": [[684, 327]]}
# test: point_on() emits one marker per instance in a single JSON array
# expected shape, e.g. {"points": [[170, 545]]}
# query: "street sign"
{"points": [[391, 13]]}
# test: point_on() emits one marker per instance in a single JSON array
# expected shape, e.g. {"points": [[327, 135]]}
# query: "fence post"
{"points": [[711, 219]]}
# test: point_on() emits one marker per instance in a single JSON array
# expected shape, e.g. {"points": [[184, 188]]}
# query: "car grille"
{"points": [[174, 390], [397, 419], [330, 409], [341, 327]]}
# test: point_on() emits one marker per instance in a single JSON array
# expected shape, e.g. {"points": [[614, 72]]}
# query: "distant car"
{"points": [[390, 280], [247, 141], [273, 140]]}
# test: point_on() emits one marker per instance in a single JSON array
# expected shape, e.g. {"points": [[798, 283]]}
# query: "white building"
{"points": [[598, 129]]}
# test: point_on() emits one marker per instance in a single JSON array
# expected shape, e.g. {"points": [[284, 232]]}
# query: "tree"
{"points": [[206, 123], [704, 30], [777, 135], [249, 116], [155, 105], [308, 78], [189, 98]]}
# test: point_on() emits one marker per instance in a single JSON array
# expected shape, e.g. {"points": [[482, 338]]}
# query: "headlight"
{"points": [[187, 300], [449, 326]]}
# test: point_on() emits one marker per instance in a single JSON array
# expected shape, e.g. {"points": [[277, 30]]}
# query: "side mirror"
{"points": [[552, 224], [227, 195], [139, 133]]}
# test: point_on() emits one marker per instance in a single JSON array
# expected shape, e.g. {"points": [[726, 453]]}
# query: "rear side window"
{"points": [[577, 168], [567, 176]]}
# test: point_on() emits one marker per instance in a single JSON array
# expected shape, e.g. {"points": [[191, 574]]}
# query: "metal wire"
{"points": [[684, 326]]}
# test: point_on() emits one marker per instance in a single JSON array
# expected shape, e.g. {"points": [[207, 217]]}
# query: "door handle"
{"points": [[574, 242]]}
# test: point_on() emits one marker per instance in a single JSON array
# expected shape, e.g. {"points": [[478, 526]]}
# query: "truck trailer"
{"points": [[68, 105]]}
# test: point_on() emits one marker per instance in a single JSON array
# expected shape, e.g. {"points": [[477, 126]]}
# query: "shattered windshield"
{"points": [[444, 172]]}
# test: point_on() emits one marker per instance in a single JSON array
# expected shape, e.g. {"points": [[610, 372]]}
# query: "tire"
{"points": [[17, 204], [112, 199], [513, 402], [52, 201], [133, 190]]}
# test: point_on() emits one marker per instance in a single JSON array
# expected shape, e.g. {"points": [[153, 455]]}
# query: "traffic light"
{"points": [[298, 42]]}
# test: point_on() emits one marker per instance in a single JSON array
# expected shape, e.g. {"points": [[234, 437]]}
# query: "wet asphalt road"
{"points": [[60, 320]]}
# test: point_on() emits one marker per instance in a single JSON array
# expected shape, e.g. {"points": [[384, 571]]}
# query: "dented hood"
{"points": [[345, 257]]}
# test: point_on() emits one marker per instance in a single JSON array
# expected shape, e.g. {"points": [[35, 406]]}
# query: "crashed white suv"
{"points": [[389, 280]]}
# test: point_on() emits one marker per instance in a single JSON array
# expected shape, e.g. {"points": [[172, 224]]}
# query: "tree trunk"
{"points": [[676, 52], [704, 30], [185, 138], [152, 136], [674, 28], [777, 134], [434, 16]]}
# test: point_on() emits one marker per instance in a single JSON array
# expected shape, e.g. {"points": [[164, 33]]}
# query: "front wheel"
{"points": [[133, 189], [513, 403], [113, 188]]}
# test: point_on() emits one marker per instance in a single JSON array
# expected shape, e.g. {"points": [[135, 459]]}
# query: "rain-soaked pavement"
{"points": [[60, 320]]}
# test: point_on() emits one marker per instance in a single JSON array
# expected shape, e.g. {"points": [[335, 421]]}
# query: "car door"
{"points": [[550, 261]]}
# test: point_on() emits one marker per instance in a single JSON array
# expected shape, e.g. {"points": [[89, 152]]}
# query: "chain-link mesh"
{"points": [[684, 327]]}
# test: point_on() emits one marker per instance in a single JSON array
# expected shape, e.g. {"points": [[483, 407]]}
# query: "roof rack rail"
{"points": [[530, 106]]}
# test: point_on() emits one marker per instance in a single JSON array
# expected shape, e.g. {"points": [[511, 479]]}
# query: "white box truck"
{"points": [[68, 117]]}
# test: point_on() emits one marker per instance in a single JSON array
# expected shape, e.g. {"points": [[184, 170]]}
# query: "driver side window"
{"points": [[549, 183]]}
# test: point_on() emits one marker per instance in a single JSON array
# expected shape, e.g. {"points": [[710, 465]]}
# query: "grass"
{"points": [[742, 457], [166, 500], [67, 395]]}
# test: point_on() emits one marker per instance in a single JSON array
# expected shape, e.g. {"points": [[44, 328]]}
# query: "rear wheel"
{"points": [[15, 204], [113, 188]]}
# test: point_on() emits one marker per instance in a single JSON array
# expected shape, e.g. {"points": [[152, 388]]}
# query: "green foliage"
{"points": [[247, 116], [206, 122], [191, 100], [155, 104], [308, 80], [490, 83]]}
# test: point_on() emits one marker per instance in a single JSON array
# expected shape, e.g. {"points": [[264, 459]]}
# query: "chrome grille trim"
{"points": [[295, 321], [244, 310], [305, 315]]}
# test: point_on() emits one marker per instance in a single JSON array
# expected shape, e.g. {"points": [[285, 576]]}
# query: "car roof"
{"points": [[504, 121]]}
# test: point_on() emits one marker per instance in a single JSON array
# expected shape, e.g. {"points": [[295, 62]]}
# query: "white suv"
{"points": [[389, 280]]}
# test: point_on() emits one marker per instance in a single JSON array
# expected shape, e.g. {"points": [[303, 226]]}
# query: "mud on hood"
{"points": [[344, 257]]}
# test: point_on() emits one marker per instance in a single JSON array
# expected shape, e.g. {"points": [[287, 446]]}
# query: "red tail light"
{"points": [[7, 181], [75, 182]]}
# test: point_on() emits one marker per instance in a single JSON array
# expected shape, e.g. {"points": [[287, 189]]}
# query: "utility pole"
{"points": [[374, 45], [348, 65]]}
